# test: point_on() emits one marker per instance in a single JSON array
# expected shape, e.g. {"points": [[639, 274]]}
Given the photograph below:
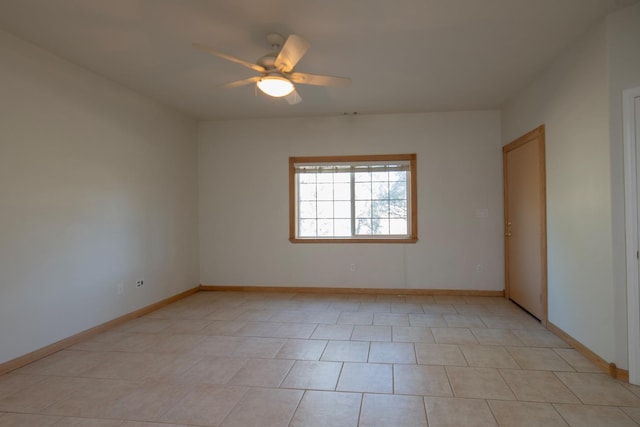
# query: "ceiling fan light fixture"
{"points": [[275, 86]]}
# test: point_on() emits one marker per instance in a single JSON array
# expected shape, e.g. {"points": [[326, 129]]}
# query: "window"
{"points": [[357, 199]]}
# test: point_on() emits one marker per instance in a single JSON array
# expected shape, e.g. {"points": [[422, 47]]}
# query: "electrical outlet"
{"points": [[119, 288], [479, 268], [139, 283], [352, 267]]}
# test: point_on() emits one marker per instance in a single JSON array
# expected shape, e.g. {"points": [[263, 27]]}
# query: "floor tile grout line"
{"points": [[426, 413], [555, 407], [515, 395], [393, 379], [293, 413], [504, 347], [339, 376], [555, 374], [464, 356], [453, 391], [360, 409], [488, 403], [536, 345]]}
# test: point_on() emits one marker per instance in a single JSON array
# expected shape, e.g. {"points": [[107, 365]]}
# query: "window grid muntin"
{"points": [[376, 222], [328, 220]]}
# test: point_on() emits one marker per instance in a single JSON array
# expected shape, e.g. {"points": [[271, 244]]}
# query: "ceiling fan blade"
{"points": [[319, 80], [247, 64], [293, 98], [243, 82], [292, 50]]}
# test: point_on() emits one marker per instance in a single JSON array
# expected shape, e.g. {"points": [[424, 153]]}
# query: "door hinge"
{"points": [[637, 254]]}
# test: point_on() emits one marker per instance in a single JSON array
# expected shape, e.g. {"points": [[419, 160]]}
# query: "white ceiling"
{"points": [[402, 55]]}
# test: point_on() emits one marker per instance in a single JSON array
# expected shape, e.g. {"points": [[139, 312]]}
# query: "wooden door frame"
{"points": [[537, 133], [631, 230]]}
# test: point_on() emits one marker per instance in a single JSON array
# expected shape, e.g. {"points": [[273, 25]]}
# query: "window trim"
{"points": [[413, 198]]}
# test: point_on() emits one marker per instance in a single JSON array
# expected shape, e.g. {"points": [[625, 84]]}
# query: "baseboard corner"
{"points": [[40, 353], [608, 367]]}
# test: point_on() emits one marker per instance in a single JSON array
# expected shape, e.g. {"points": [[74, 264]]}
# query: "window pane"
{"points": [[325, 209], [325, 227], [342, 177], [398, 209], [342, 209], [380, 176], [325, 191], [325, 177], [380, 226], [398, 226], [363, 226], [397, 176], [307, 210], [307, 192], [380, 209], [342, 192], [363, 209], [363, 191], [342, 227], [362, 176], [398, 190], [307, 228], [307, 178], [380, 190]]}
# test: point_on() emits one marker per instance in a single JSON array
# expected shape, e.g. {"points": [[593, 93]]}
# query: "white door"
{"points": [[631, 123]]}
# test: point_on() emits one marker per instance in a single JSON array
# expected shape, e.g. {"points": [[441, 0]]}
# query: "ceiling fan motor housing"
{"points": [[268, 61], [275, 41]]}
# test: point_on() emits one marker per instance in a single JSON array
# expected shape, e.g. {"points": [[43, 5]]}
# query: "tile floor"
{"points": [[263, 359]]}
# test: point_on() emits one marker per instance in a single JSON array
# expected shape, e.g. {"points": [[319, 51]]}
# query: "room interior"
{"points": [[123, 160]]}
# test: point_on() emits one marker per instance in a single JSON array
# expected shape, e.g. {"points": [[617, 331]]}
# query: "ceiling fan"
{"points": [[277, 75]]}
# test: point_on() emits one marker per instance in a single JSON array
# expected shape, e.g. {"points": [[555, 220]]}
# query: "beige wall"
{"points": [[98, 186], [244, 220], [578, 98], [623, 35]]}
